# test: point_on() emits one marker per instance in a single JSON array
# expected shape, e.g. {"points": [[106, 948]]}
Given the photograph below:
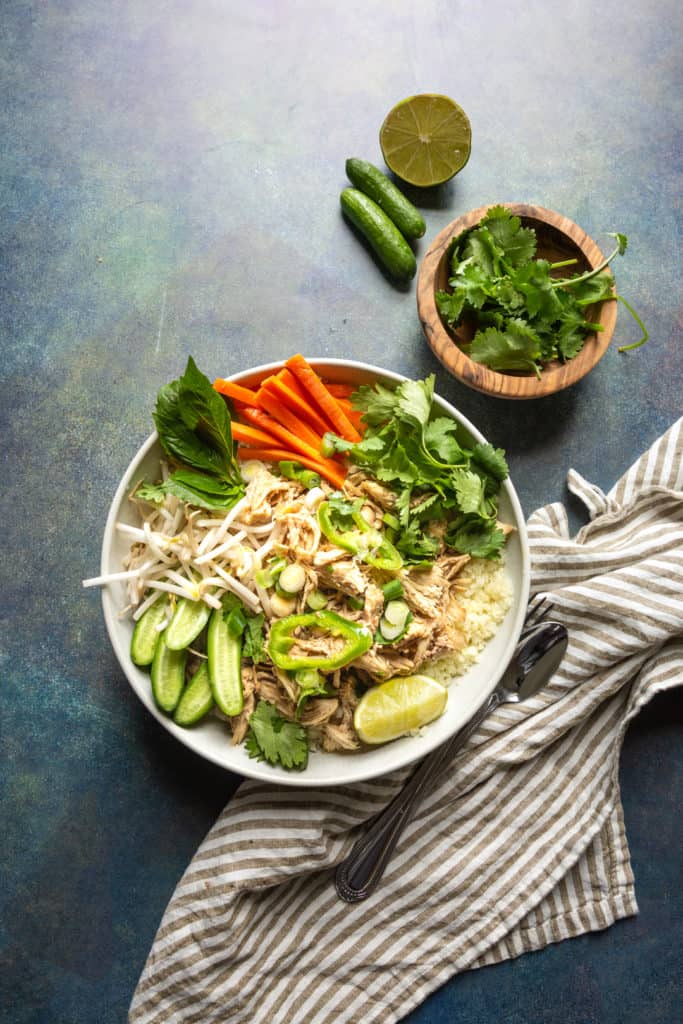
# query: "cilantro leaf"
{"points": [[273, 739], [517, 243], [481, 248], [595, 289], [414, 400], [376, 402], [440, 439], [516, 348], [472, 286], [491, 459], [469, 489], [416, 545], [480, 540], [451, 305]]}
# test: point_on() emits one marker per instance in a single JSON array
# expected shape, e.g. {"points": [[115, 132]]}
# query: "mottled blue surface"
{"points": [[169, 185]]}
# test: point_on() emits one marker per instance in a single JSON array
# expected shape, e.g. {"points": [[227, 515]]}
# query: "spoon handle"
{"points": [[358, 874]]}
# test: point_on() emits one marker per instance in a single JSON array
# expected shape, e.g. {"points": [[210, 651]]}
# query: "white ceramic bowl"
{"points": [[211, 738]]}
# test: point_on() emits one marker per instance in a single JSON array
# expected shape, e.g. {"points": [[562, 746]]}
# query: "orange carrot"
{"points": [[246, 434], [268, 425], [314, 386], [340, 390], [332, 471], [235, 391], [353, 414], [270, 403], [298, 405], [288, 378]]}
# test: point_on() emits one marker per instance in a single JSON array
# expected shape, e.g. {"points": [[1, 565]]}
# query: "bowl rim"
{"points": [[355, 773], [476, 375]]}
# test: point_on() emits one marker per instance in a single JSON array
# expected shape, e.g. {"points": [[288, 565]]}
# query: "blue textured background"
{"points": [[170, 179]]}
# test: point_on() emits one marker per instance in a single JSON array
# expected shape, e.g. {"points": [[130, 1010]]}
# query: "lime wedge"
{"points": [[397, 707], [426, 139]]}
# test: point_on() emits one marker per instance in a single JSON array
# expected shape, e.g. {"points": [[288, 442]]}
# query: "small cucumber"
{"points": [[168, 675], [189, 619], [381, 233], [197, 698], [224, 651], [370, 180], [143, 642]]}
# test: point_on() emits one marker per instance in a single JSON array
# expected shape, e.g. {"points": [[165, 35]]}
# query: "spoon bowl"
{"points": [[535, 661]]}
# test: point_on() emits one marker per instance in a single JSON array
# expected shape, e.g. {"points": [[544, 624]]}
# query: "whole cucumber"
{"points": [[382, 234], [370, 180]]}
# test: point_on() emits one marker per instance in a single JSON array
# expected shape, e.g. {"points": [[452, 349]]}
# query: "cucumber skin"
{"points": [[218, 635], [143, 642], [167, 665], [196, 700], [197, 615], [370, 180], [381, 232]]}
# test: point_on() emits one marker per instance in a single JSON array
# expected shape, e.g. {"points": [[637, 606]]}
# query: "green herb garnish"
{"points": [[272, 738], [193, 424], [525, 316], [435, 473]]}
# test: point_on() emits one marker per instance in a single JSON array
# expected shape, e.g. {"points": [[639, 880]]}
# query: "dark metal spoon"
{"points": [[535, 660]]}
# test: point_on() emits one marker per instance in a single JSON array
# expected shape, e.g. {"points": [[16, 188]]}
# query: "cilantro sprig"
{"points": [[273, 739], [435, 472], [525, 316]]}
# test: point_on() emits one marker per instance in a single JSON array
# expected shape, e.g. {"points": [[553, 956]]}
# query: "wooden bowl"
{"points": [[558, 239]]}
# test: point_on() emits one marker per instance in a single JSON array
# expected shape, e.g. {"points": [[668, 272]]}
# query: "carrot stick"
{"points": [[298, 405], [310, 380], [325, 467], [340, 390], [288, 378], [235, 391], [246, 434], [353, 414], [270, 403], [268, 425]]}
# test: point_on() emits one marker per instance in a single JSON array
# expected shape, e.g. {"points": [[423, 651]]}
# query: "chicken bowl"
{"points": [[384, 602]]}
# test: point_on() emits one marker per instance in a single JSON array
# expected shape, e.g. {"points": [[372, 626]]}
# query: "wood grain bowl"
{"points": [[558, 239]]}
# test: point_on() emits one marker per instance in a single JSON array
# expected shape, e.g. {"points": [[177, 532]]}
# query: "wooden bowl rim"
{"points": [[478, 376]]}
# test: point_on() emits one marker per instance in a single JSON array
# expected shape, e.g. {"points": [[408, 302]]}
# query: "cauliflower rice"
{"points": [[486, 597]]}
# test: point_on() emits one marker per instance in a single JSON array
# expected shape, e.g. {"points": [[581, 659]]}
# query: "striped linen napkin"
{"points": [[520, 844]]}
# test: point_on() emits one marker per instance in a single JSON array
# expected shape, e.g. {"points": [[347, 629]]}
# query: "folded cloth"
{"points": [[520, 843]]}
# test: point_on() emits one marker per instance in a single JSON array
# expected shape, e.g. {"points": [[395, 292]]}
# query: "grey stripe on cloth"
{"points": [[520, 844]]}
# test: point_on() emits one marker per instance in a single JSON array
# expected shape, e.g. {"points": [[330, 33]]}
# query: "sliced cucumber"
{"points": [[224, 651], [168, 675], [197, 698], [189, 619], [143, 642]]}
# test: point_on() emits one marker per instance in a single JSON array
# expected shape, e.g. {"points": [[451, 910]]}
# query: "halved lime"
{"points": [[398, 706], [426, 139]]}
